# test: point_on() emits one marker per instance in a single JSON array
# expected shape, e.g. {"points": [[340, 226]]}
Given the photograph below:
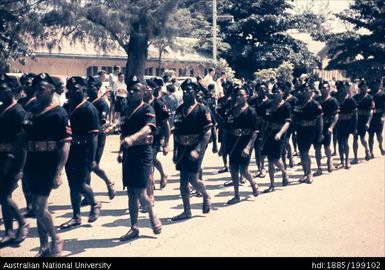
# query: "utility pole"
{"points": [[215, 32]]}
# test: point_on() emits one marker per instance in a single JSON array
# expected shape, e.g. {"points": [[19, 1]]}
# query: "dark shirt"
{"points": [[293, 101], [161, 111], [28, 103], [132, 122], [308, 112], [282, 114], [364, 104], [52, 125], [348, 106], [330, 108], [196, 122], [84, 119], [247, 119], [103, 109], [11, 123], [379, 101]]}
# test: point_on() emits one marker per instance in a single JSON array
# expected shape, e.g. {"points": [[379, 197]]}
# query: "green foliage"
{"points": [[258, 37], [361, 51], [20, 26], [283, 72]]}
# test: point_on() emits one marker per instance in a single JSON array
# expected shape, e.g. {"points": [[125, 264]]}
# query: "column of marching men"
{"points": [[39, 139]]}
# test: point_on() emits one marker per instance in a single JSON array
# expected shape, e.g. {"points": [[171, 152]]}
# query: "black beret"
{"points": [[91, 81], [188, 84], [27, 78], [10, 83], [151, 83], [132, 80], [76, 82], [185, 83], [362, 84], [43, 77], [158, 81]]}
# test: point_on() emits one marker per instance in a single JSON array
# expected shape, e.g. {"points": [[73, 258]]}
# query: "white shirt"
{"points": [[121, 89]]}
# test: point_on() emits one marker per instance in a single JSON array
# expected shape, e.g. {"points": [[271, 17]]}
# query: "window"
{"points": [[159, 73], [150, 71], [92, 71], [191, 73], [107, 69], [182, 72]]}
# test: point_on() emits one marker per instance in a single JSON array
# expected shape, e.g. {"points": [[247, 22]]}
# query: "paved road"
{"points": [[341, 214]]}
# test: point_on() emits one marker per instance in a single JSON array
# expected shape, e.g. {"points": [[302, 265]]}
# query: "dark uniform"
{"points": [[44, 131], [275, 120], [138, 159], [239, 130], [376, 124], [103, 111], [162, 113], [330, 108], [84, 121], [188, 130], [364, 106], [306, 120], [11, 121], [346, 122]]}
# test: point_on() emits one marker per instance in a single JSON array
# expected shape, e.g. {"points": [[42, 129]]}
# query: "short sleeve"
{"points": [[286, 115], [162, 112], [336, 107], [150, 117], [63, 128], [92, 120], [205, 118], [253, 120], [317, 109]]}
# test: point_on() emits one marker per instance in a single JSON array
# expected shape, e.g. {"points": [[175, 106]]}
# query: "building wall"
{"points": [[78, 66]]}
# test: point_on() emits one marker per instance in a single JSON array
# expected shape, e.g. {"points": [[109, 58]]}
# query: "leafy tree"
{"points": [[132, 25], [19, 25], [361, 50], [259, 39]]}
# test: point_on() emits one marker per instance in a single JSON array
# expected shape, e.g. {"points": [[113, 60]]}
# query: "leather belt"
{"points": [[145, 141], [239, 132], [328, 120], [187, 140], [42, 146], [363, 113], [345, 116], [306, 123], [6, 147], [275, 125]]}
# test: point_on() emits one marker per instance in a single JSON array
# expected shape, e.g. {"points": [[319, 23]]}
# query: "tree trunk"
{"points": [[137, 52], [160, 60]]}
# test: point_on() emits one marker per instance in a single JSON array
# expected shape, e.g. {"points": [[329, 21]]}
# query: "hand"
{"points": [[93, 165], [58, 180], [330, 130], [277, 136], [120, 158], [215, 148], [194, 155], [166, 150], [7, 164], [367, 126], [382, 119], [246, 152], [127, 142]]}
